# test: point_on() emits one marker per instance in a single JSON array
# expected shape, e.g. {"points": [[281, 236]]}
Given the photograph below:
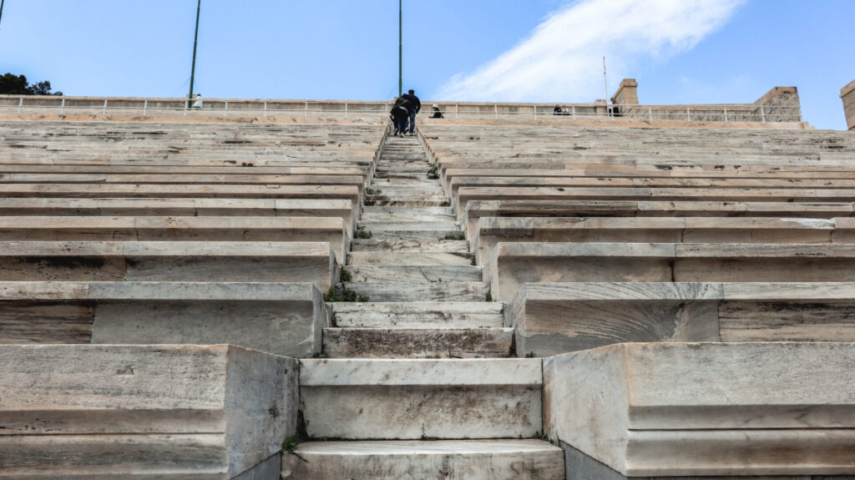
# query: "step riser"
{"points": [[413, 235], [408, 245], [416, 412], [414, 274], [409, 259], [461, 460], [425, 292], [437, 343], [417, 320]]}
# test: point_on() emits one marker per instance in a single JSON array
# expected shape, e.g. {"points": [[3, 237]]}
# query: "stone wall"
{"points": [[847, 94]]}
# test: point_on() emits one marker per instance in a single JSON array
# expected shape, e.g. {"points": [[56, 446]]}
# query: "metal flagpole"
{"points": [[195, 43], [400, 47], [2, 2]]}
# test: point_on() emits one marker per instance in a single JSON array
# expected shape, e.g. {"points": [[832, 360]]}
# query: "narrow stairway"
{"points": [[415, 386], [427, 299]]}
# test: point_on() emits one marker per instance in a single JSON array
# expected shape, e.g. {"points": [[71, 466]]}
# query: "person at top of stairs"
{"points": [[400, 115]]}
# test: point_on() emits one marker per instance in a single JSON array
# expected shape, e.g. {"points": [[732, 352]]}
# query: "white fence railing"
{"points": [[326, 109]]}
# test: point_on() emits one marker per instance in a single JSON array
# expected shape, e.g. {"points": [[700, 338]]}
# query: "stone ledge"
{"points": [[556, 318], [514, 264], [745, 409], [282, 319], [171, 411]]}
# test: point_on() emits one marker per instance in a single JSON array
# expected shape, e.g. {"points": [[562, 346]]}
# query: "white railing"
{"points": [[315, 109]]}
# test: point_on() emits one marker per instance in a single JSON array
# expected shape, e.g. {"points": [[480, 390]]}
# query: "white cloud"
{"points": [[562, 59]]}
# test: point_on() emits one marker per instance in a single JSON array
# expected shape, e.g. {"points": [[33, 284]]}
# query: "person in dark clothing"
{"points": [[414, 105], [437, 113], [399, 115], [558, 110]]}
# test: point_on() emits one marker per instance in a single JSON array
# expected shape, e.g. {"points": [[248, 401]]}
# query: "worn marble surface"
{"points": [[167, 410], [695, 409], [419, 460]]}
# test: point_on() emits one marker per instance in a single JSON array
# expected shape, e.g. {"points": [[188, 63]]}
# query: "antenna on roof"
{"points": [[605, 80]]}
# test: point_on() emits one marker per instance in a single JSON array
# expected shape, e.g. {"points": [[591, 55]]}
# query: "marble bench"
{"points": [[475, 210], [555, 318], [492, 230], [167, 412], [175, 229], [183, 207], [279, 318], [181, 179], [468, 194], [514, 264], [290, 262], [278, 192], [689, 410]]}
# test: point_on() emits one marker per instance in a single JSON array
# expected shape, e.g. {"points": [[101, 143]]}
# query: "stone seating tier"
{"points": [[175, 229], [491, 230], [169, 262], [731, 195], [183, 207], [555, 318], [514, 264], [171, 412], [478, 209], [696, 410], [282, 319]]}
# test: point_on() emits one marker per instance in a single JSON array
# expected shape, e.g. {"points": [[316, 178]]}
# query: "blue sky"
{"points": [[680, 51]]}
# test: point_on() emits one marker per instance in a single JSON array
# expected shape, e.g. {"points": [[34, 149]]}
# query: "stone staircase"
{"points": [[416, 385]]}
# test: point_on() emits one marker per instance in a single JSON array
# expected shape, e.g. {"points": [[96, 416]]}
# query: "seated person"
{"points": [[437, 113]]}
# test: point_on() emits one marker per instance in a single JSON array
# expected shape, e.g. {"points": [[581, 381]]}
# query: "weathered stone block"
{"points": [[707, 409], [166, 411]]}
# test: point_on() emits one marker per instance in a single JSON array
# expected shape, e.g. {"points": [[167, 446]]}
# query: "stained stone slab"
{"points": [[434, 342], [515, 264], [176, 229], [419, 460], [468, 194], [283, 319], [413, 399], [627, 208], [192, 207], [417, 315], [490, 230], [169, 262], [672, 410], [554, 318], [142, 411]]}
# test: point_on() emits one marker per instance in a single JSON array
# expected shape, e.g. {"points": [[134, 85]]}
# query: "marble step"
{"points": [[409, 259], [414, 234], [413, 210], [377, 227], [410, 245], [418, 342], [409, 202], [415, 274], [420, 460], [407, 217], [418, 315], [390, 399], [422, 292], [424, 181]]}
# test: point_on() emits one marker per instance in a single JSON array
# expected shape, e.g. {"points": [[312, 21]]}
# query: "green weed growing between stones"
{"points": [[344, 295], [290, 445]]}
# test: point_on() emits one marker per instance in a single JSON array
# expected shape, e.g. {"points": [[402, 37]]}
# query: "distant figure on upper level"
{"points": [[197, 101], [414, 106], [558, 110], [437, 113], [399, 114]]}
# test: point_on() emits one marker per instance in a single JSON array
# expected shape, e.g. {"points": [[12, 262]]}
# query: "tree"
{"points": [[17, 85]]}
